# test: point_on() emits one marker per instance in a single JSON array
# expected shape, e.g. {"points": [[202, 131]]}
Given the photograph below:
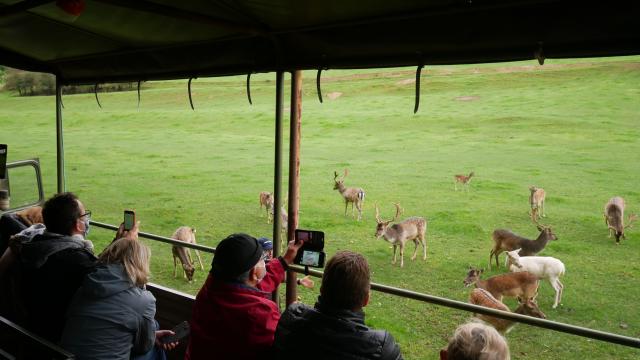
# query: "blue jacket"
{"points": [[109, 317]]}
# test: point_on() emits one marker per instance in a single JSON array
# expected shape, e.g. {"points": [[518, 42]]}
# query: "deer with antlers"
{"points": [[413, 228], [266, 200], [536, 200], [462, 179], [614, 218], [505, 240], [353, 195]]}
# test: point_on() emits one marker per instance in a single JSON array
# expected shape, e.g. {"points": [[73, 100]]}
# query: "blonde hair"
{"points": [[477, 341], [133, 255]]}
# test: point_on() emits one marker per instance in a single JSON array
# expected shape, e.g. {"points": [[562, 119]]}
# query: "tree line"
{"points": [[28, 83]]}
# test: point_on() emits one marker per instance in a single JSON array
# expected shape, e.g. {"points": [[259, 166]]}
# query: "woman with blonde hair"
{"points": [[476, 341], [112, 314]]}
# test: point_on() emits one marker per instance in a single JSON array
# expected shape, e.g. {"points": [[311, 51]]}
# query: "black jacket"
{"points": [[323, 333]]}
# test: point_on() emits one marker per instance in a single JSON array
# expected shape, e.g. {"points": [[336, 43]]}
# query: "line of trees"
{"points": [[31, 83]]}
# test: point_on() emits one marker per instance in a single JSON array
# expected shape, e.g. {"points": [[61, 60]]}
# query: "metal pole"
{"points": [[59, 138], [295, 122], [277, 176]]}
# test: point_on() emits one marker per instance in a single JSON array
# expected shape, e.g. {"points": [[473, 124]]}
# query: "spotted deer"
{"points": [[353, 195], [614, 218], [536, 200], [462, 179], [481, 297], [413, 228], [188, 235], [266, 200]]}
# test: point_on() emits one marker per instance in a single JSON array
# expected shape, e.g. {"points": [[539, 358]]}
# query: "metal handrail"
{"points": [[543, 323], [57, 351]]}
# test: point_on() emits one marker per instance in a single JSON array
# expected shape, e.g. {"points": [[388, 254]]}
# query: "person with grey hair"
{"points": [[476, 341]]}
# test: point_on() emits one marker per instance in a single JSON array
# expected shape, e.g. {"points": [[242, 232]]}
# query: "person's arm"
{"points": [[276, 268], [145, 335], [390, 349]]}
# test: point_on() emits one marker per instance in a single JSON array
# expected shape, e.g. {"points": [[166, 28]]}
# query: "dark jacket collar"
{"points": [[349, 315]]}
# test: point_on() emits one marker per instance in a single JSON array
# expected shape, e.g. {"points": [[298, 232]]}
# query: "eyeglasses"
{"points": [[87, 214]]}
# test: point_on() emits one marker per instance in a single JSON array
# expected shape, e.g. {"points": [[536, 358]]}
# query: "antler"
{"points": [[335, 177], [378, 214], [399, 211], [632, 218]]}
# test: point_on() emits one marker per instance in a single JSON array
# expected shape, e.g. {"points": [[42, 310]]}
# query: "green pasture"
{"points": [[570, 127]]}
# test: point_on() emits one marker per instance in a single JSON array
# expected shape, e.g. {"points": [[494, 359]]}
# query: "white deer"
{"points": [[188, 235], [544, 267], [353, 195], [413, 228]]}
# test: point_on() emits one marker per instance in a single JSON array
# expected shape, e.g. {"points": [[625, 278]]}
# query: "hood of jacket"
{"points": [[38, 245], [106, 280]]}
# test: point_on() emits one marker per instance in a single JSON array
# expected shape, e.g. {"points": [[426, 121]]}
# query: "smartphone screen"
{"points": [[129, 219], [310, 258], [3, 161], [311, 253]]}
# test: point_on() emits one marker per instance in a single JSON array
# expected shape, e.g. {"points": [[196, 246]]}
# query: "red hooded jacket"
{"points": [[235, 321]]}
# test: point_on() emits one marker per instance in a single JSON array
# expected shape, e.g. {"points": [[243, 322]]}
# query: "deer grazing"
{"points": [[521, 284], [462, 179], [266, 200], [614, 218], [353, 195], [505, 240], [536, 200], [482, 297], [398, 234], [543, 267], [188, 235]]}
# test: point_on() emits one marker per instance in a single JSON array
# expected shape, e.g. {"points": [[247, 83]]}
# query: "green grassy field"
{"points": [[570, 127]]}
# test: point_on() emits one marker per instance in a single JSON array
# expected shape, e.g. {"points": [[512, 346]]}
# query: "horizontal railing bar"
{"points": [[24, 332], [543, 323], [158, 238]]}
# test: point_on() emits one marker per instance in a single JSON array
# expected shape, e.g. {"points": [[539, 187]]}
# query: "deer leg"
{"points": [[175, 267], [188, 253], [346, 205], [199, 259], [491, 257], [359, 207], [542, 205], [415, 251], [423, 241], [561, 290], [394, 255], [401, 255], [555, 286]]}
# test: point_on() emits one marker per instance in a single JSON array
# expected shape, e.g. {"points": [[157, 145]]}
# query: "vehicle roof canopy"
{"points": [[126, 40]]}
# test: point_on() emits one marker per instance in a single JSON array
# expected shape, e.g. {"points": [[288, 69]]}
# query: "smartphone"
{"points": [[129, 219], [3, 161], [181, 331], [311, 253]]}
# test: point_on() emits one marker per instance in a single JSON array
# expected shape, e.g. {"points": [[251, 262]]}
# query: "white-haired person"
{"points": [[112, 314], [476, 341]]}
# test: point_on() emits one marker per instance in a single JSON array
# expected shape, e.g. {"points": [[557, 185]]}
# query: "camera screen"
{"points": [[128, 220], [310, 258]]}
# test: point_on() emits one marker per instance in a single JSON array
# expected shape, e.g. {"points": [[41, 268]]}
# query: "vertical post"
{"points": [[59, 138], [295, 122], [277, 173]]}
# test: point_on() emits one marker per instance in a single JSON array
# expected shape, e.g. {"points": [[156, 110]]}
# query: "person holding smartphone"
{"points": [[233, 316]]}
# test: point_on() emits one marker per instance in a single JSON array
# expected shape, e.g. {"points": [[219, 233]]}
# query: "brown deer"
{"points": [[614, 218], [517, 284], [266, 200], [188, 235], [536, 200], [353, 195], [484, 298], [505, 240], [398, 234], [462, 179]]}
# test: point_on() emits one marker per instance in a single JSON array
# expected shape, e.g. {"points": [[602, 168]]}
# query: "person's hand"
{"points": [[306, 282], [129, 234], [166, 346], [292, 251]]}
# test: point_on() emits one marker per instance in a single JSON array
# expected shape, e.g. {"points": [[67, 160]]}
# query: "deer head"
{"points": [[548, 232], [472, 276], [339, 182], [514, 257], [189, 269], [382, 225], [530, 307]]}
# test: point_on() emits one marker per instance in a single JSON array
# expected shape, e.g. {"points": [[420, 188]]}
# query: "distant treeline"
{"points": [[31, 83]]}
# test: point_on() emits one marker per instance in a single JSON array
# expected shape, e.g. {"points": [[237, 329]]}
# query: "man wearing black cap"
{"points": [[233, 315]]}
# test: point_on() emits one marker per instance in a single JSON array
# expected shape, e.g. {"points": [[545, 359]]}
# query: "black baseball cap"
{"points": [[235, 255]]}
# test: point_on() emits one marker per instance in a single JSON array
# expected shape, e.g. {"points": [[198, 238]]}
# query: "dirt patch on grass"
{"points": [[334, 95], [467, 98], [406, 82]]}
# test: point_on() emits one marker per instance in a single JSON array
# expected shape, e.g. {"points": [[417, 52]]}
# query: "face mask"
{"points": [[86, 227]]}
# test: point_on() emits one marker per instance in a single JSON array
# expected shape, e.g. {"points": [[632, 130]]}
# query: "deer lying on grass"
{"points": [[462, 179], [398, 234], [536, 200], [505, 240], [353, 195], [614, 218], [266, 200], [521, 284], [544, 267], [188, 235], [482, 297]]}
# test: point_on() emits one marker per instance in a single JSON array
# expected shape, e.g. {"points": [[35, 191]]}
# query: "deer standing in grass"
{"points": [[484, 298], [188, 235], [266, 200], [398, 234], [517, 284], [462, 179], [614, 218], [543, 267], [536, 200], [353, 195], [505, 240]]}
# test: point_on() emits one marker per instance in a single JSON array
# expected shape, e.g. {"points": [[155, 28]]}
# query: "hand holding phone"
{"points": [[181, 331], [311, 252]]}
